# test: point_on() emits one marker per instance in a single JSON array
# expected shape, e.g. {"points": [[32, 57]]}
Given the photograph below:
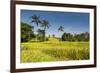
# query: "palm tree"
{"points": [[61, 28], [35, 19], [40, 34], [45, 24]]}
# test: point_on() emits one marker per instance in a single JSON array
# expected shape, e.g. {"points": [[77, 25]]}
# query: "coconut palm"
{"points": [[35, 19], [45, 24], [40, 34], [61, 28]]}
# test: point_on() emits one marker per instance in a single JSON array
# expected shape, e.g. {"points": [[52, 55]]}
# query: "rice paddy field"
{"points": [[54, 50]]}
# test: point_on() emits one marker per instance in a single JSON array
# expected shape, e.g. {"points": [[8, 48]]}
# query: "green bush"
{"points": [[26, 32]]}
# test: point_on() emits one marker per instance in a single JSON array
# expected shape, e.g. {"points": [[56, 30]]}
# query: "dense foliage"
{"points": [[75, 37], [26, 32]]}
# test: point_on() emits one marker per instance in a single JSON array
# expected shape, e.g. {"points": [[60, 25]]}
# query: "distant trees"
{"points": [[26, 32], [75, 37], [53, 36], [67, 37], [49, 36]]}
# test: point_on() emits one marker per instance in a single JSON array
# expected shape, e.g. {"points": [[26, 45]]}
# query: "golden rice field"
{"points": [[54, 50]]}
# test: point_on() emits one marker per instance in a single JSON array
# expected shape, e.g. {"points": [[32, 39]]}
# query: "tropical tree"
{"points": [[53, 35], [67, 37], [45, 24], [87, 36], [61, 28], [26, 32], [36, 20], [76, 37], [40, 34]]}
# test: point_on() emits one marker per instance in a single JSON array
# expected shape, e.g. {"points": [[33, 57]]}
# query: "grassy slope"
{"points": [[54, 50]]}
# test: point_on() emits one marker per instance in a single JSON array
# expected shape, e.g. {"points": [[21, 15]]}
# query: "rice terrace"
{"points": [[48, 36]]}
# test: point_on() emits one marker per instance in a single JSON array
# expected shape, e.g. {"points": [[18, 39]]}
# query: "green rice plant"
{"points": [[54, 50], [35, 56], [78, 54]]}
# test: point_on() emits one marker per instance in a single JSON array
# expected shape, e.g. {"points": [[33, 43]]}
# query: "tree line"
{"points": [[27, 31], [75, 37]]}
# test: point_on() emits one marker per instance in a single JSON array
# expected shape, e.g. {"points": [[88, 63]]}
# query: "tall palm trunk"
{"points": [[44, 35], [36, 19], [45, 24]]}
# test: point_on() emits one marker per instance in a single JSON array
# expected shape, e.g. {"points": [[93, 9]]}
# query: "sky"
{"points": [[73, 22]]}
